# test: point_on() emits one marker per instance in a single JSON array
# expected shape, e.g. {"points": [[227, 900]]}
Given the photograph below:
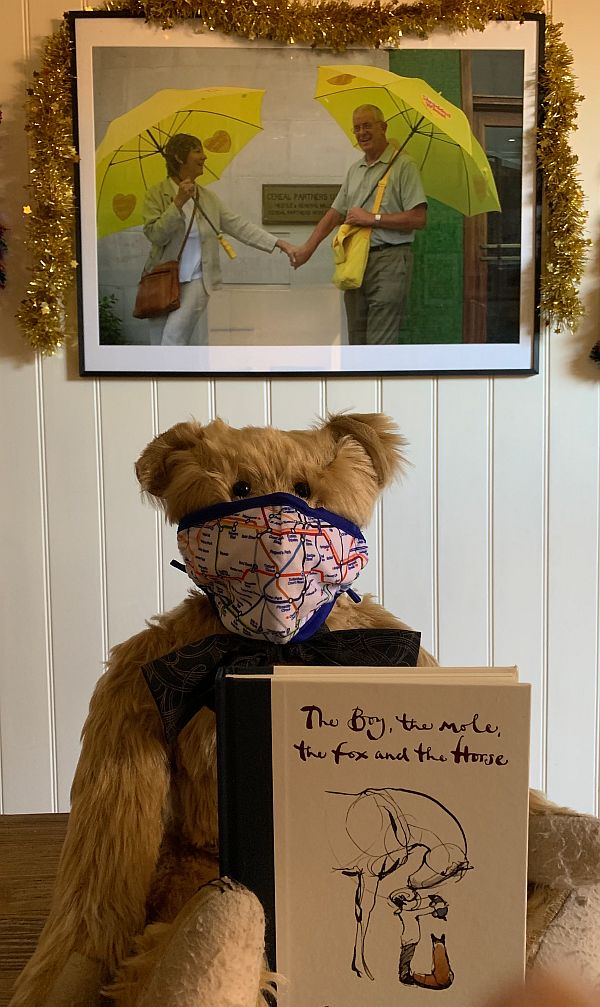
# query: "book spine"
{"points": [[245, 792]]}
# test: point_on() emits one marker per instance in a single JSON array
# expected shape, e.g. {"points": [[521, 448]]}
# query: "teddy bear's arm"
{"points": [[113, 836]]}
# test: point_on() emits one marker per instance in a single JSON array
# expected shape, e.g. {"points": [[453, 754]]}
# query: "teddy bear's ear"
{"points": [[378, 435], [153, 466]]}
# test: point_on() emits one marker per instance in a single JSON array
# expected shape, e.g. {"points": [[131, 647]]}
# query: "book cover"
{"points": [[381, 818]]}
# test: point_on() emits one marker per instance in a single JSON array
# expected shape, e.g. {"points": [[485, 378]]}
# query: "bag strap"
{"points": [[382, 178], [380, 191], [205, 215], [220, 237]]}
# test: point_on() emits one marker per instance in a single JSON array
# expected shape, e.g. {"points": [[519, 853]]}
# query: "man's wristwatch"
{"points": [[377, 218]]}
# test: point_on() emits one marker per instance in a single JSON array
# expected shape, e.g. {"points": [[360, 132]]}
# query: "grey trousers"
{"points": [[375, 310]]}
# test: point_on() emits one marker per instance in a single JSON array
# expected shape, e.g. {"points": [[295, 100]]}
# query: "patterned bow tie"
{"points": [[183, 681]]}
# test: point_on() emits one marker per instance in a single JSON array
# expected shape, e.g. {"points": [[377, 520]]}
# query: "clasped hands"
{"points": [[299, 254]]}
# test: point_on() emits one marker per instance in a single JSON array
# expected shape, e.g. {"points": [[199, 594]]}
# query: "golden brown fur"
{"points": [[131, 796]]}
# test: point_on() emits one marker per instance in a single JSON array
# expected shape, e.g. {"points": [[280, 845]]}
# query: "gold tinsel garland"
{"points": [[51, 214], [328, 24], [565, 216]]}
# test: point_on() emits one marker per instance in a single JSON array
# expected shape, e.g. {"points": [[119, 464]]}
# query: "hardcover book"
{"points": [[380, 815]]}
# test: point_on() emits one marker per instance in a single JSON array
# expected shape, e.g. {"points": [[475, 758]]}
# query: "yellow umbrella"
{"points": [[436, 134], [129, 159]]}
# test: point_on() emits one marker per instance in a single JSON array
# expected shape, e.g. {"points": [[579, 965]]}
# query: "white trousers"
{"points": [[188, 325]]}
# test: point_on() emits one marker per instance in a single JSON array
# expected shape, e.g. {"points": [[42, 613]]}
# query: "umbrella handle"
{"points": [[231, 252]]}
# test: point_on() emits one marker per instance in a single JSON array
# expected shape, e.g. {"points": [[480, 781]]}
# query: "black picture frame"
{"points": [[293, 322]]}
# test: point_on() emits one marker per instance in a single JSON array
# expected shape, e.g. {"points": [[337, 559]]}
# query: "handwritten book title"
{"points": [[401, 739]]}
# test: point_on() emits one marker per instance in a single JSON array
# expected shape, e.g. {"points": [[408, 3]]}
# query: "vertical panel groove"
{"points": [[435, 538], [160, 583], [25, 37], [545, 362], [267, 389], [212, 399], [323, 398], [46, 578], [491, 649], [101, 518]]}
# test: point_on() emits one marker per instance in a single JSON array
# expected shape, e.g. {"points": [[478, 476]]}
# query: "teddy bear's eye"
{"points": [[302, 489], [241, 488]]}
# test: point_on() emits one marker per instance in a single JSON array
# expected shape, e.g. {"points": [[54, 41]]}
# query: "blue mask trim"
{"points": [[199, 517], [314, 623]]}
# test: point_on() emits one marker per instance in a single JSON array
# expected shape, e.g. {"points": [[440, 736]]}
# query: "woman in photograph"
{"points": [[168, 209]]}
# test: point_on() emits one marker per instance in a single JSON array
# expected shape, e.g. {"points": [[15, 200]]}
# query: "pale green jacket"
{"points": [[164, 226]]}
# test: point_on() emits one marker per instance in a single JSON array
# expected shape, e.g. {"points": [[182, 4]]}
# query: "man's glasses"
{"points": [[367, 125]]}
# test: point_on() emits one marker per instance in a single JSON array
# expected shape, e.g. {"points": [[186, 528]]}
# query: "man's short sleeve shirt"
{"points": [[403, 191]]}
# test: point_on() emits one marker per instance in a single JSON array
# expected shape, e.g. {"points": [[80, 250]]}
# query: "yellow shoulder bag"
{"points": [[350, 244]]}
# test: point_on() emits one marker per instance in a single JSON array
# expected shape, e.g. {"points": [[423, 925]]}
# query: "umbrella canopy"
{"points": [[436, 134], [129, 159]]}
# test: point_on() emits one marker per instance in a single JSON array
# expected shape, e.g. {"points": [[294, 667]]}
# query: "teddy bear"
{"points": [[139, 913]]}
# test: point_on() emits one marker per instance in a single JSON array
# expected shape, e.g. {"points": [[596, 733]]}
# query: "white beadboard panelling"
{"points": [[243, 403], [131, 533], [28, 755], [352, 395], [27, 748], [519, 532], [295, 405], [178, 400], [572, 771], [463, 562], [409, 557], [182, 399], [75, 558], [574, 662]]}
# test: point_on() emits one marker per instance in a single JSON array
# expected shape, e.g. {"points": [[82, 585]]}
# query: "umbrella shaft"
{"points": [[153, 139], [413, 129]]}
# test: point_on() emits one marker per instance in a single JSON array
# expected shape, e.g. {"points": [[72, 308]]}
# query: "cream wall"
{"points": [[490, 546]]}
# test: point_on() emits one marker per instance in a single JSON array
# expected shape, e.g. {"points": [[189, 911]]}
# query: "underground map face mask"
{"points": [[272, 565]]}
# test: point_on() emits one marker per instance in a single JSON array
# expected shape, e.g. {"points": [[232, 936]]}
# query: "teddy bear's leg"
{"points": [[110, 851], [210, 956]]}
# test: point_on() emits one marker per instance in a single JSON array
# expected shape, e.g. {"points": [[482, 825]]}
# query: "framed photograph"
{"points": [[270, 146]]}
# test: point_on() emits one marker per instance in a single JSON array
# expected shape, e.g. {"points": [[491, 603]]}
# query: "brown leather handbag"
{"points": [[158, 289]]}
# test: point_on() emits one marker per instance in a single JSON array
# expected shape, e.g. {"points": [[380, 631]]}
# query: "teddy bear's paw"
{"points": [[570, 940], [213, 952]]}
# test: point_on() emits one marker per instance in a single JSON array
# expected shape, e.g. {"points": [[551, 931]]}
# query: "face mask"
{"points": [[272, 565]]}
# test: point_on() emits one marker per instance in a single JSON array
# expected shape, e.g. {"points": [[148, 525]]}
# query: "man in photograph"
{"points": [[376, 309]]}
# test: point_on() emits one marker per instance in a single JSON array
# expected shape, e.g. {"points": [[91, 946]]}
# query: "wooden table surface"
{"points": [[30, 846]]}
